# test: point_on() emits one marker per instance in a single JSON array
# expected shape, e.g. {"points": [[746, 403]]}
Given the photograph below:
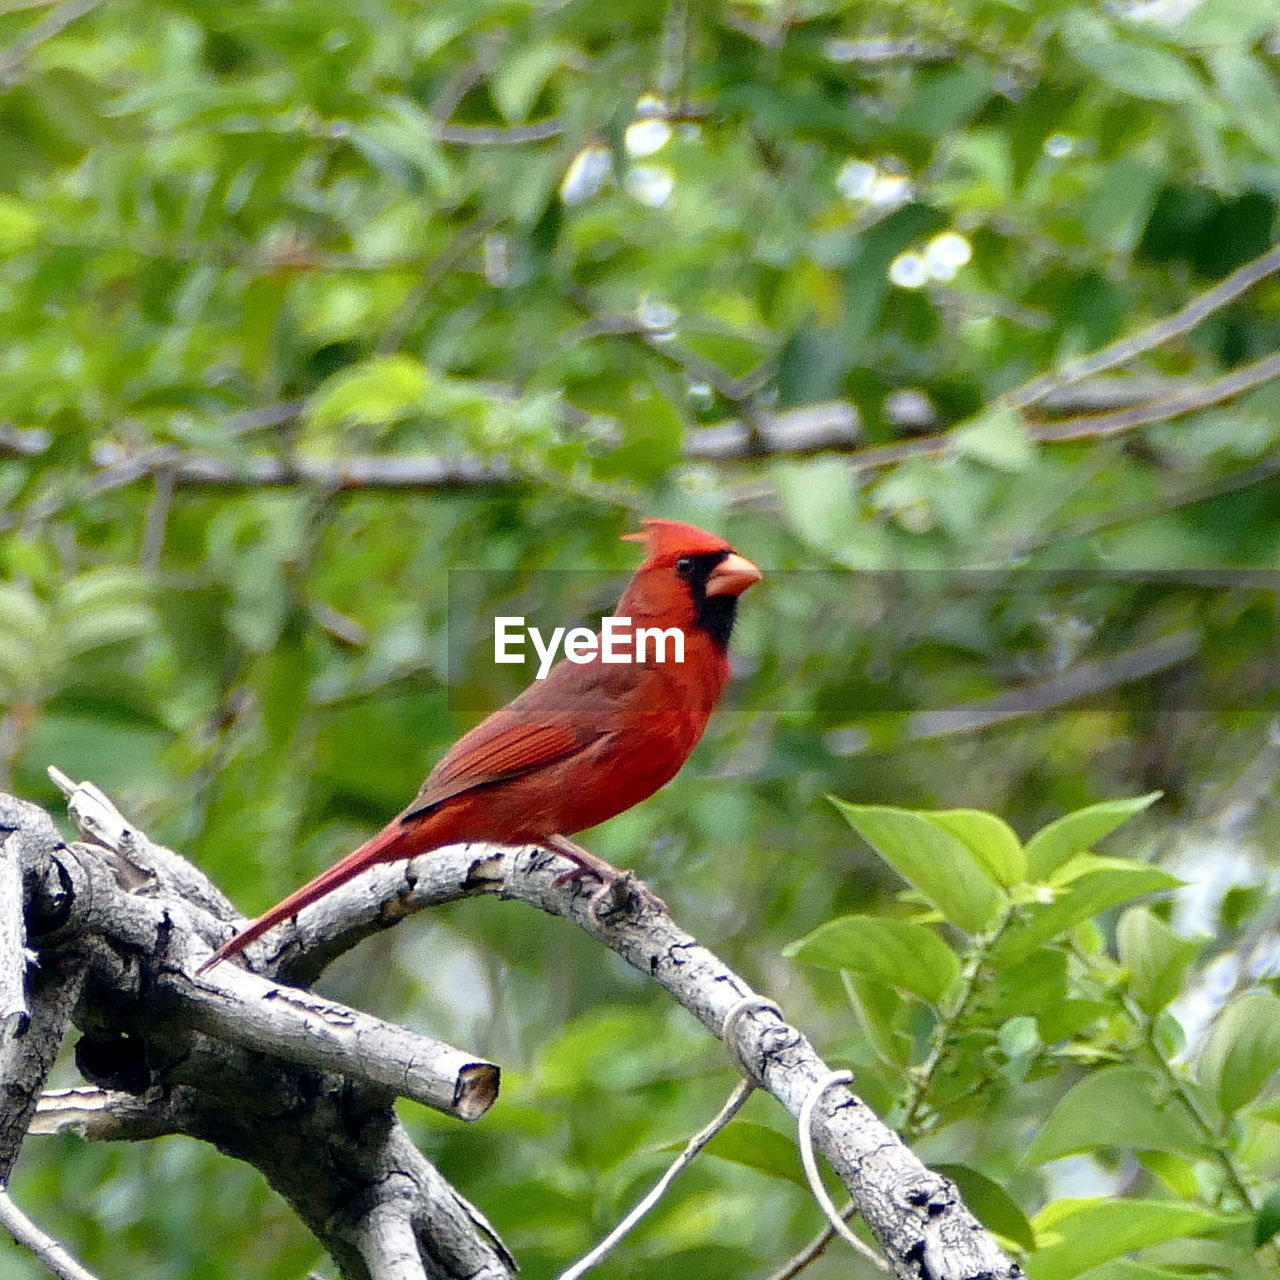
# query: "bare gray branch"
{"points": [[116, 939], [222, 1060], [244, 1009], [914, 1214]]}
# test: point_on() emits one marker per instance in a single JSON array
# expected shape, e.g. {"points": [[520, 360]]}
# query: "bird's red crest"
{"points": [[667, 540]]}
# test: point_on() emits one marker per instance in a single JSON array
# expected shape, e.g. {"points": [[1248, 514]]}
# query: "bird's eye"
{"points": [[684, 566]]}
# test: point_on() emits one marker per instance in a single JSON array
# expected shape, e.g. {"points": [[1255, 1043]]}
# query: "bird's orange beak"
{"points": [[732, 576]]}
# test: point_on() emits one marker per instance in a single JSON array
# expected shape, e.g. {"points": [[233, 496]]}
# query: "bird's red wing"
{"points": [[494, 751]]}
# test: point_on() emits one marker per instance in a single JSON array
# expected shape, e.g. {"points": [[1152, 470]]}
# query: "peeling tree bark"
{"points": [[302, 1088], [39, 1001]]}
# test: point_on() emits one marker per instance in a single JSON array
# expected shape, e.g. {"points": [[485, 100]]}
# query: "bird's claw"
{"points": [[626, 892], [622, 891]]}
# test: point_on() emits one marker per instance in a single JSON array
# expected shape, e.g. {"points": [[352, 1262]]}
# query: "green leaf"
{"points": [[877, 1008], [997, 437], [652, 436], [380, 390], [1155, 956], [609, 1047], [1036, 985], [758, 1147], [990, 839], [710, 1261], [1097, 890], [1268, 1109], [104, 588], [281, 676], [22, 614], [1019, 1037], [521, 76], [1138, 69], [1115, 1107], [103, 607], [944, 98], [1077, 1235], [1176, 1172], [119, 754], [27, 638], [1223, 23], [91, 630], [993, 1205], [264, 302], [1250, 87], [1267, 1223], [897, 952], [1243, 1050], [1121, 205], [819, 502], [942, 867], [401, 144], [1075, 832], [19, 224], [1123, 1269]]}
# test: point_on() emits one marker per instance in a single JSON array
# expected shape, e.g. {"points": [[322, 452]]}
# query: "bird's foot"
{"points": [[618, 891], [624, 891]]}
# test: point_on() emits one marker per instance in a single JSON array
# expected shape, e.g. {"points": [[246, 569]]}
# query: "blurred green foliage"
{"points": [[250, 254]]}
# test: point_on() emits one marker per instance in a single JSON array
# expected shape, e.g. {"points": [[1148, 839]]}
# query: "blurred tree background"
{"points": [[304, 306]]}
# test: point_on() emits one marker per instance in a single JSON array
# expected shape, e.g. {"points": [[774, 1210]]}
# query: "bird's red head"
{"points": [[690, 576], [669, 542]]}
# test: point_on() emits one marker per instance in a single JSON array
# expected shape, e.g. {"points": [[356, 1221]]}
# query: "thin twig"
{"points": [[24, 442], [477, 135], [1125, 349], [47, 1251], [429, 279], [118, 467], [1082, 681], [805, 429], [742, 1091], [1076, 684], [156, 522], [940, 1038], [450, 95], [1098, 425], [811, 1252], [1092, 426], [873, 51], [1232, 482], [49, 26], [810, 1163], [673, 62]]}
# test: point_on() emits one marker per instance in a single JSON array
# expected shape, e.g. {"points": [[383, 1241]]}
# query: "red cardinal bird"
{"points": [[589, 741]]}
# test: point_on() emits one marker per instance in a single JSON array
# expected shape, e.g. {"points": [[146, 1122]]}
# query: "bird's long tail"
{"points": [[397, 840]]}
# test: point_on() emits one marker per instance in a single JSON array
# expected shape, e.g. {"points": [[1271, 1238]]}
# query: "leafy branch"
{"points": [[976, 958]]}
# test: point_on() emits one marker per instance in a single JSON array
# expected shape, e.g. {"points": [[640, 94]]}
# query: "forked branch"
{"points": [[225, 1057]]}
